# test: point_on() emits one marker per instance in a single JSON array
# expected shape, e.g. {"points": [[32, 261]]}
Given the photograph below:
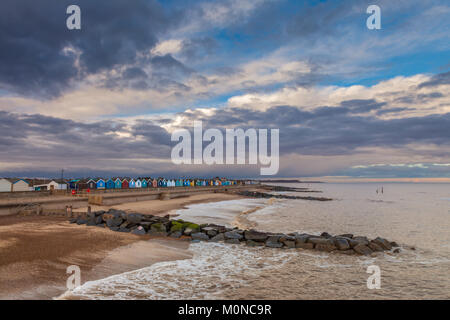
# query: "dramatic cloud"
{"points": [[347, 100]]}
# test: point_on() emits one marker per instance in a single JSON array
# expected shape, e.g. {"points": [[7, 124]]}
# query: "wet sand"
{"points": [[35, 251]]}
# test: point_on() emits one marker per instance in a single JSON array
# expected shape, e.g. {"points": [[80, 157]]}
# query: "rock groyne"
{"points": [[140, 224]]}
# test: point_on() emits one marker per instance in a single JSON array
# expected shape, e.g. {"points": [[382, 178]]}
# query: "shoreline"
{"points": [[36, 250]]}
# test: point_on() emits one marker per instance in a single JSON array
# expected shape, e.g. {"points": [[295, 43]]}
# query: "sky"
{"points": [[104, 100]]}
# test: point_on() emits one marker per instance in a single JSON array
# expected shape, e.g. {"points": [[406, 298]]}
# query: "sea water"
{"points": [[415, 215]]}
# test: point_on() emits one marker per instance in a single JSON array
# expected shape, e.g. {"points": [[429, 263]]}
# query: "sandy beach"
{"points": [[36, 251]]}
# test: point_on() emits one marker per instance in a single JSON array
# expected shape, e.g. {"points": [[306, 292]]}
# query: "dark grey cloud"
{"points": [[34, 34], [335, 130], [41, 138], [436, 80]]}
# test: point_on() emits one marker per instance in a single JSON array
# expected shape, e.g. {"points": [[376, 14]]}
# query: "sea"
{"points": [[415, 215]]}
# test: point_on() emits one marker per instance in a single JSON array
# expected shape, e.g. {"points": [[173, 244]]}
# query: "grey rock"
{"points": [[322, 241], [217, 238], [255, 235], [199, 236], [134, 218], [361, 240], [341, 244], [114, 228], [272, 244], [345, 235], [74, 220], [233, 235], [397, 250], [126, 230], [81, 221]]}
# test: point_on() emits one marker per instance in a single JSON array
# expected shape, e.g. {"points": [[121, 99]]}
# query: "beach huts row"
{"points": [[131, 183], [17, 185]]}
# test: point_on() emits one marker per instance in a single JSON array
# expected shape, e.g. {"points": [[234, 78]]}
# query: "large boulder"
{"points": [[360, 240], [322, 241], [135, 218], [375, 247], [217, 238], [233, 235], [273, 242], [363, 249], [81, 221], [210, 231], [341, 244], [200, 236], [114, 222], [191, 228], [158, 227], [386, 245], [177, 226], [255, 235]]}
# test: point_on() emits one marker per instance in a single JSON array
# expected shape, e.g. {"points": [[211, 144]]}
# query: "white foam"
{"points": [[214, 267]]}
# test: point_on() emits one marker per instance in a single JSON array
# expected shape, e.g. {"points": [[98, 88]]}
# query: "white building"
{"points": [[57, 184], [5, 185], [14, 185]]}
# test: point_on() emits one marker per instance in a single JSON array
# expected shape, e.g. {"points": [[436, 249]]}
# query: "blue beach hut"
{"points": [[110, 184], [101, 184]]}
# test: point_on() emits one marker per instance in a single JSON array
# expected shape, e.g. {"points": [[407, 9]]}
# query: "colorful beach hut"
{"points": [[125, 184], [110, 184], [117, 184], [144, 183], [101, 184], [132, 184]]}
